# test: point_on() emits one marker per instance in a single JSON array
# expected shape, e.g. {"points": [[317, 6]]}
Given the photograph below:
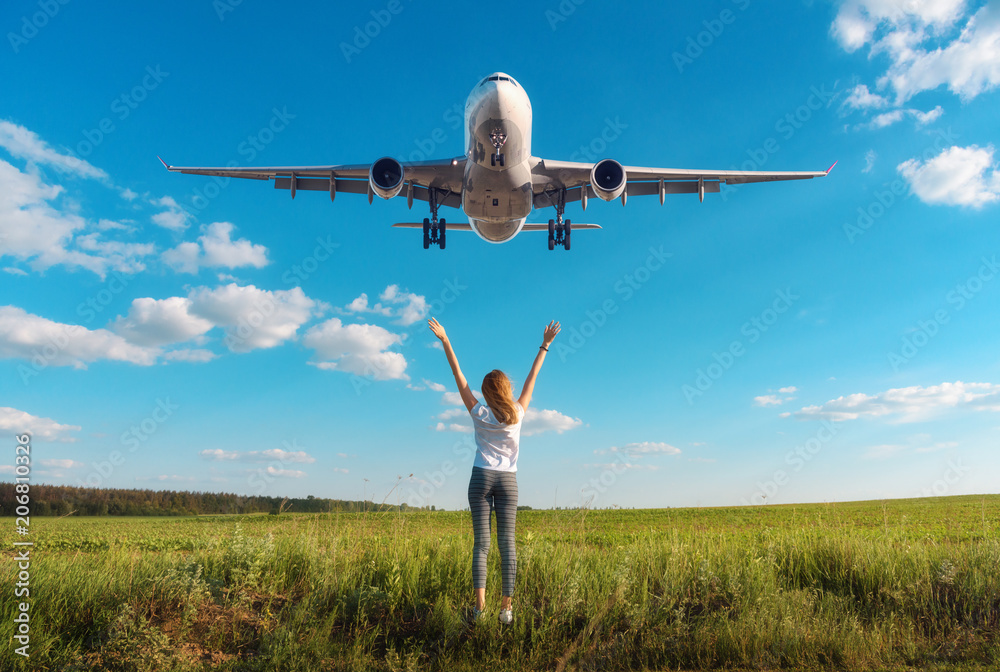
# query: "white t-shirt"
{"points": [[496, 443]]}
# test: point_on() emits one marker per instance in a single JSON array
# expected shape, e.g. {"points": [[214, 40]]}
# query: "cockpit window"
{"points": [[498, 78]]}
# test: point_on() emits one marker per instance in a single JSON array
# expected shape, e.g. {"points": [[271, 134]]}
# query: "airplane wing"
{"points": [[552, 177], [445, 176]]}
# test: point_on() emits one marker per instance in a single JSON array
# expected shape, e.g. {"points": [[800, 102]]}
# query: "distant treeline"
{"points": [[59, 500]]}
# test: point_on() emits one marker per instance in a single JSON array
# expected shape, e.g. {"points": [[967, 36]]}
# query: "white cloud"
{"points": [[62, 464], [183, 258], [414, 306], [886, 119], [645, 448], [906, 404], [45, 429], [919, 443], [166, 477], [965, 176], [286, 473], [452, 399], [253, 318], [453, 413], [14, 271], [219, 455], [32, 228], [969, 65], [361, 349], [197, 355], [160, 322], [870, 157], [453, 427], [924, 118], [174, 218], [915, 37], [45, 343], [537, 422], [360, 305], [437, 387], [216, 248], [860, 98], [618, 466], [25, 144], [784, 395], [121, 256]]}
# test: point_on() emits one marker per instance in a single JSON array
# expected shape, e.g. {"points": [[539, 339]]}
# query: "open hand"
{"points": [[550, 333], [437, 329]]}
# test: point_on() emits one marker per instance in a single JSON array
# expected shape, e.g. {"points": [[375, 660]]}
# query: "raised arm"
{"points": [[463, 384], [536, 366]]}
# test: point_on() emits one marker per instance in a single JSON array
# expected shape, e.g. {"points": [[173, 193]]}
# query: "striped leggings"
{"points": [[491, 490]]}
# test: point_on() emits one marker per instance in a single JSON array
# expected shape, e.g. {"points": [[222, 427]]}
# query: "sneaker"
{"points": [[506, 616], [477, 615]]}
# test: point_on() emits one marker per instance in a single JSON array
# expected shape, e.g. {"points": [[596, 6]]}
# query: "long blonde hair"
{"points": [[500, 396]]}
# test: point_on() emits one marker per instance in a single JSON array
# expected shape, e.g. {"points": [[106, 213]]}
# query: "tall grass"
{"points": [[841, 587]]}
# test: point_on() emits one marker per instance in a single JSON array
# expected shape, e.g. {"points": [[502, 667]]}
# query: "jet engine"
{"points": [[608, 179], [386, 177]]}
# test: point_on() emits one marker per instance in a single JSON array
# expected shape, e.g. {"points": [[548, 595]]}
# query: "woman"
{"points": [[493, 485]]}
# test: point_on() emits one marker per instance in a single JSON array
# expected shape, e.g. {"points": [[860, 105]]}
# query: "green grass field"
{"points": [[896, 585]]}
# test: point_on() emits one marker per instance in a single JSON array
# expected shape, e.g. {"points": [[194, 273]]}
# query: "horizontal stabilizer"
{"points": [[464, 226]]}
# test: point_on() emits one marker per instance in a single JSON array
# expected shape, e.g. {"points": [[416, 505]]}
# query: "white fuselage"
{"points": [[497, 188]]}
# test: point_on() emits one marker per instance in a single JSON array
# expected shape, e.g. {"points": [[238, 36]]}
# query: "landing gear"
{"points": [[498, 136], [559, 231], [434, 229]]}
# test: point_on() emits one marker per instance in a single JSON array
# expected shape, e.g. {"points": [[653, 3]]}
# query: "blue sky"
{"points": [[822, 340]]}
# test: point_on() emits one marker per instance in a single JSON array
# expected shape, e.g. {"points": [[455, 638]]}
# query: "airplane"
{"points": [[498, 182]]}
